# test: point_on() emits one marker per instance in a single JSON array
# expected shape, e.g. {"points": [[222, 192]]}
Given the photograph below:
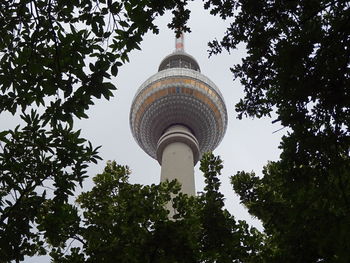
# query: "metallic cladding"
{"points": [[173, 96]]}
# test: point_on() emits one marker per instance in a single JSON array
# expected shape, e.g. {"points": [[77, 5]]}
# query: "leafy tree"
{"points": [[222, 238], [297, 66], [122, 222], [56, 57]]}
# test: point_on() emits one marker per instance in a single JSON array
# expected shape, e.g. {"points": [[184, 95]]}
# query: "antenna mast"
{"points": [[180, 43]]}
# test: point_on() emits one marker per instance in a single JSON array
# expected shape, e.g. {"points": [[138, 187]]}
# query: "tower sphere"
{"points": [[178, 95]]}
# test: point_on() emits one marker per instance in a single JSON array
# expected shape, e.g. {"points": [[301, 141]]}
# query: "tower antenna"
{"points": [[180, 42]]}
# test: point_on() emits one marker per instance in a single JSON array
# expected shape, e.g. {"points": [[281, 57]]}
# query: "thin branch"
{"points": [[68, 247], [79, 239], [57, 50], [34, 13], [278, 130]]}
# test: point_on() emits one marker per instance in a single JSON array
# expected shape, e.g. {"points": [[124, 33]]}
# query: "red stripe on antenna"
{"points": [[179, 43]]}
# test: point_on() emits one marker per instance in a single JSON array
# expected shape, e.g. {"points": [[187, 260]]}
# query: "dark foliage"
{"points": [[125, 222], [56, 57], [298, 66]]}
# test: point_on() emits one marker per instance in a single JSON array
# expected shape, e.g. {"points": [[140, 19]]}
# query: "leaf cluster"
{"points": [[33, 161], [56, 58], [131, 223], [297, 65]]}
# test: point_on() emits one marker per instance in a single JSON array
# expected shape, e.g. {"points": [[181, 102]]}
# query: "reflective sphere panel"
{"points": [[178, 96]]}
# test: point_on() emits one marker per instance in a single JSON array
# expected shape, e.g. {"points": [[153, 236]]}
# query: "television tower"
{"points": [[177, 115]]}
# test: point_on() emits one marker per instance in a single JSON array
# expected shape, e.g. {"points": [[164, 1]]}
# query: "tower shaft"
{"points": [[177, 163], [177, 152]]}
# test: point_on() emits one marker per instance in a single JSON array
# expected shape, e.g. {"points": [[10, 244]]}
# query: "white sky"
{"points": [[247, 145]]}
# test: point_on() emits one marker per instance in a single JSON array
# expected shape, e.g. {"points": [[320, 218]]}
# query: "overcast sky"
{"points": [[247, 145]]}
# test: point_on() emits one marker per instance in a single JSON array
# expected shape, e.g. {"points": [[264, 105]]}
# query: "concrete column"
{"points": [[178, 152]]}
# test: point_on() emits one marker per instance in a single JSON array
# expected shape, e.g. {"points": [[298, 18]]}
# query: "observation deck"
{"points": [[178, 94]]}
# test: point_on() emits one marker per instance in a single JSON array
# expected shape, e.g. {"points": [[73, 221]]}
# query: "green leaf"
{"points": [[114, 69]]}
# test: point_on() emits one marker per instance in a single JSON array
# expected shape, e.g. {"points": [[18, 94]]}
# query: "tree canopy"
{"points": [[297, 67], [126, 222], [56, 57]]}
